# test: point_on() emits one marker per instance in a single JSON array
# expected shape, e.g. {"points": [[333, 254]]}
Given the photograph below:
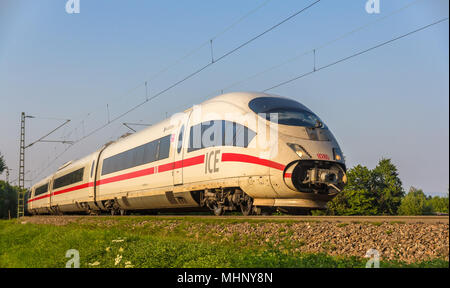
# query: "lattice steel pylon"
{"points": [[21, 192]]}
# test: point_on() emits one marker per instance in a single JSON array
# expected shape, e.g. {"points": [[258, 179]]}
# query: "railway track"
{"points": [[343, 219]]}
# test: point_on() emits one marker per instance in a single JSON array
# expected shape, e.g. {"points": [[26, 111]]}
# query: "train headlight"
{"points": [[299, 150], [337, 154]]}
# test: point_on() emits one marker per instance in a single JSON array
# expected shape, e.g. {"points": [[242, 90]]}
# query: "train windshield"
{"points": [[288, 112]]}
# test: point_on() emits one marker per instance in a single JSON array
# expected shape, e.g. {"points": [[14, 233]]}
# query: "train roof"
{"points": [[240, 98]]}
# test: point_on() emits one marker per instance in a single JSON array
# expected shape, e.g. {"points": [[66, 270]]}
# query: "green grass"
{"points": [[189, 243]]}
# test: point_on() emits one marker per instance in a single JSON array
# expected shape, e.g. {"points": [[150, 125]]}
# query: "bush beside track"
{"points": [[199, 242]]}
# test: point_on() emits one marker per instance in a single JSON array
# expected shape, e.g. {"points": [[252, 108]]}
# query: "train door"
{"points": [[50, 190], [91, 179], [179, 150]]}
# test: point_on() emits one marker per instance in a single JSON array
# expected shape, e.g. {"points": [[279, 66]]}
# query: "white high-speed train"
{"points": [[251, 152]]}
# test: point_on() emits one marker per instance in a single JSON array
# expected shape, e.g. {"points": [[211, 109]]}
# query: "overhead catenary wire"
{"points": [[179, 60], [199, 70], [314, 50], [309, 51], [41, 139], [190, 53], [209, 41], [356, 54]]}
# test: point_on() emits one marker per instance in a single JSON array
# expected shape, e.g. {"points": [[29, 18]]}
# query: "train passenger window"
{"points": [[41, 190], [137, 156], [69, 179], [243, 136], [180, 140], [127, 159], [219, 133], [164, 147], [211, 134], [150, 152], [287, 112], [229, 133]]}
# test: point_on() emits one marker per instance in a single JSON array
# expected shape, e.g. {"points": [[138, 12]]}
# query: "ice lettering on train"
{"points": [[212, 161]]}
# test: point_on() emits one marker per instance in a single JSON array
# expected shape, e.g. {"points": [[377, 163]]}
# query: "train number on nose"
{"points": [[323, 156], [212, 161]]}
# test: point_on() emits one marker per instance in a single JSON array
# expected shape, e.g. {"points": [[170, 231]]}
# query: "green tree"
{"points": [[2, 164], [358, 197], [388, 186], [439, 204], [8, 200], [369, 192], [415, 203]]}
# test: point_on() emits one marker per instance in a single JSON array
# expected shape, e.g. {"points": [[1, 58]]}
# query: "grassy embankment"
{"points": [[144, 242]]}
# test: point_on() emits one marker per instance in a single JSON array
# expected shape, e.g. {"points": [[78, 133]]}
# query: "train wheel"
{"points": [[247, 207]]}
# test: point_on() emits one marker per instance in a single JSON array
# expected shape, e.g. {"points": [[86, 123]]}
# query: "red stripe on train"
{"points": [[131, 175], [82, 186], [233, 157], [145, 172], [181, 163], [226, 157]]}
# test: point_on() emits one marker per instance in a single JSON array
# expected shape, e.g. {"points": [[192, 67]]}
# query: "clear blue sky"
{"points": [[391, 102]]}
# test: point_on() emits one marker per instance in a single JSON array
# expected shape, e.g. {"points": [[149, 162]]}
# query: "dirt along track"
{"points": [[338, 219], [400, 238], [344, 219]]}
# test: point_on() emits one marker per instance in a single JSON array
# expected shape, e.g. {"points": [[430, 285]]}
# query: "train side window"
{"points": [[69, 179], [195, 139], [139, 156], [180, 140], [128, 159], [243, 136], [156, 150], [229, 132], [219, 133], [164, 147], [211, 134], [150, 152], [41, 190]]}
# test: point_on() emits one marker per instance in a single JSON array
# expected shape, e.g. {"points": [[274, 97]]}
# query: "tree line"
{"points": [[8, 195], [380, 192]]}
